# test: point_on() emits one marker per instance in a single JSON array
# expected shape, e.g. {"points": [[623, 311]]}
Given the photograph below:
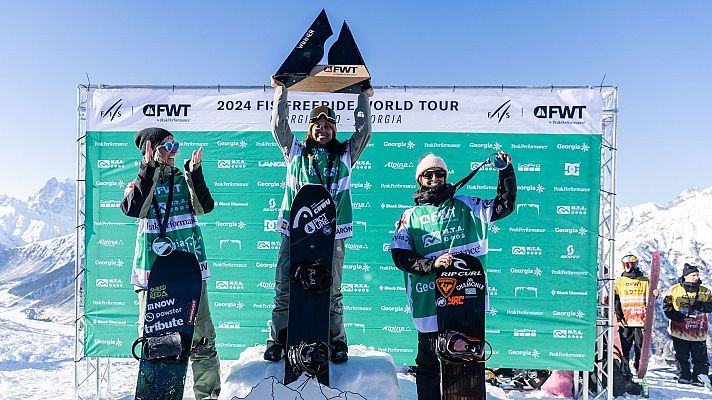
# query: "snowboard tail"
{"points": [[172, 301]]}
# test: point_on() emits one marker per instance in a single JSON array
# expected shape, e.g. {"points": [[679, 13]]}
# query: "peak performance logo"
{"points": [[113, 111], [166, 110], [501, 112]]}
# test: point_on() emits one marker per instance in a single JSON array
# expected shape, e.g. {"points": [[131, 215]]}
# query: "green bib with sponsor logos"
{"points": [[301, 171], [451, 227], [182, 230]]}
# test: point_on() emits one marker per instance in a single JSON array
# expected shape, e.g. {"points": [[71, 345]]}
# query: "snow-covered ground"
{"points": [[36, 362]]}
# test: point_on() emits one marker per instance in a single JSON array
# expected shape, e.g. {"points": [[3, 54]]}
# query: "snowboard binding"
{"points": [[167, 348], [312, 358], [459, 348], [312, 276]]}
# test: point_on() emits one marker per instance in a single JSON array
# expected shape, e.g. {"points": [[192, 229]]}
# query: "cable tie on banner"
{"points": [[600, 87]]}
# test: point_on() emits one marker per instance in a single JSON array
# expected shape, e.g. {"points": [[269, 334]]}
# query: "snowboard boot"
{"points": [[339, 352], [684, 381], [273, 351]]}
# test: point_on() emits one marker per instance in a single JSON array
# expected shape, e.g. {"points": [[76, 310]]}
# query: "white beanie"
{"points": [[428, 162]]}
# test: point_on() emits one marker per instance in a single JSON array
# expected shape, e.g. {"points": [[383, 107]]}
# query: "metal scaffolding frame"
{"points": [[92, 376]]}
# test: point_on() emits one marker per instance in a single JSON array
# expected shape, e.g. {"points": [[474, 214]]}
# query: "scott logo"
{"points": [[568, 112], [168, 110]]}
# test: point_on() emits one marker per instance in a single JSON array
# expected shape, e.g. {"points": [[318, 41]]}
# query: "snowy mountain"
{"points": [[45, 215], [37, 255], [38, 279], [681, 232]]}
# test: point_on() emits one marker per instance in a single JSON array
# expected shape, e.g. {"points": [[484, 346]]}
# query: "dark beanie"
{"points": [[688, 269], [155, 135]]}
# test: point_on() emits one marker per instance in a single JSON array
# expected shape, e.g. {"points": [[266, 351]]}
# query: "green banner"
{"points": [[542, 259]]}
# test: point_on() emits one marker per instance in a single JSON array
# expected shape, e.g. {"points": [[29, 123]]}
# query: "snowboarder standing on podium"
{"points": [[686, 304], [320, 159], [157, 172], [631, 295], [420, 245]]}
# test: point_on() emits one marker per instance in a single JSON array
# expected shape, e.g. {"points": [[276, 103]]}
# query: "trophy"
{"points": [[345, 72]]}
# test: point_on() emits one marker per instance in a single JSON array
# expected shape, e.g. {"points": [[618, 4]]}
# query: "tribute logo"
{"points": [[113, 111], [168, 110]]}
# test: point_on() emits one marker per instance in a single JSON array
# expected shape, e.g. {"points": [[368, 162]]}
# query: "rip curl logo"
{"points": [[445, 286], [460, 264]]}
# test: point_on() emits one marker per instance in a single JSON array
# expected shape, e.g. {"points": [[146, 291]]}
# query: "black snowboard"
{"points": [[461, 291], [311, 240], [172, 301]]}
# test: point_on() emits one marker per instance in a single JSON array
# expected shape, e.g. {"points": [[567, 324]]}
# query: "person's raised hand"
{"points": [[274, 82], [197, 156], [148, 156]]}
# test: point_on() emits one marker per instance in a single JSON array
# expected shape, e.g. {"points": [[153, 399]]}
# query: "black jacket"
{"points": [[504, 203], [139, 193]]}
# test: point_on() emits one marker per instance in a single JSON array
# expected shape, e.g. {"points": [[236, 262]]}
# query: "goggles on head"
{"points": [[322, 112], [170, 147], [629, 261]]}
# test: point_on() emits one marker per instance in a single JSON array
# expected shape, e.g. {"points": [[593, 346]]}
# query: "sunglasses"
{"points": [[438, 174], [323, 112], [170, 147]]}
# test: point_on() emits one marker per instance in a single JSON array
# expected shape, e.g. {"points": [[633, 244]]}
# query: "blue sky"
{"points": [[658, 53]]}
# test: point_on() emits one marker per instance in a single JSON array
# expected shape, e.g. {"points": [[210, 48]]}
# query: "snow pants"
{"points": [[684, 349], [631, 338], [427, 370], [204, 363], [280, 313]]}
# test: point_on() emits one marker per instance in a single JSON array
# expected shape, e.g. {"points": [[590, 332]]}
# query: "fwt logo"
{"points": [[168, 110], [572, 169], [340, 69], [113, 111], [561, 112], [501, 112]]}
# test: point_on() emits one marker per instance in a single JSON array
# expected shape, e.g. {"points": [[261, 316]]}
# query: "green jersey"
{"points": [[459, 225]]}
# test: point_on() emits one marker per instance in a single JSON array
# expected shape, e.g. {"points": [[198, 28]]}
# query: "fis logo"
{"points": [[572, 169], [560, 112], [501, 112], [167, 110], [113, 111]]}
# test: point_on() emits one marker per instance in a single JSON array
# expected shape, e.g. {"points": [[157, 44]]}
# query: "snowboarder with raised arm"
{"points": [[421, 245]]}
